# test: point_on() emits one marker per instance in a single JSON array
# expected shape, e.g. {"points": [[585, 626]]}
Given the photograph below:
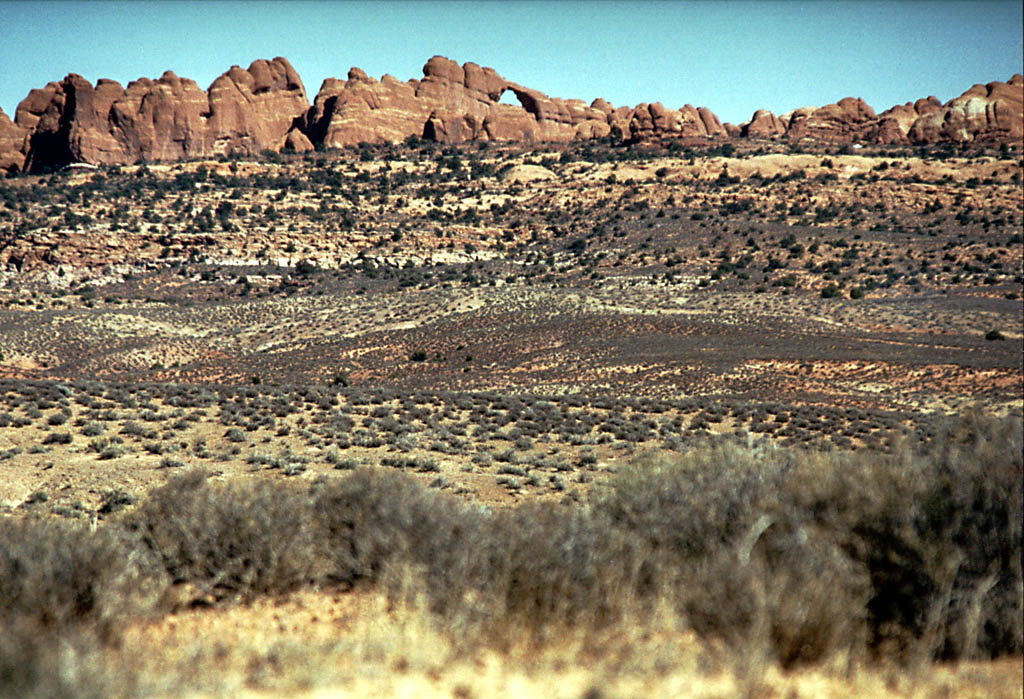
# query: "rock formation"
{"points": [[166, 119], [992, 113], [13, 144], [845, 121], [763, 124], [985, 113], [265, 108], [895, 123], [451, 104]]}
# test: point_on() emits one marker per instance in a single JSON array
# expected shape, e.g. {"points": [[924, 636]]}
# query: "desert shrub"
{"points": [[377, 518], [57, 419], [424, 464], [795, 555], [58, 574], [58, 438], [230, 539], [94, 429], [38, 663], [690, 504], [509, 482], [111, 451], [136, 430], [114, 501], [512, 470], [914, 554], [347, 464]]}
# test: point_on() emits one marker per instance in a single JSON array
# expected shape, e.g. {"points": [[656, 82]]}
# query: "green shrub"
{"points": [[831, 291], [58, 438]]}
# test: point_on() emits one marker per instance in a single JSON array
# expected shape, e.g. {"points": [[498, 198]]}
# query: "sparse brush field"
{"points": [[594, 420], [703, 569]]}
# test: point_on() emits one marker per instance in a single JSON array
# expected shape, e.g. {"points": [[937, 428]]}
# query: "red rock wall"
{"points": [[265, 108], [166, 119]]}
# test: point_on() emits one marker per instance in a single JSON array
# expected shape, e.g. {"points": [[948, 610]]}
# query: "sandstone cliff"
{"points": [[992, 113], [985, 113], [265, 107], [13, 145], [165, 119]]}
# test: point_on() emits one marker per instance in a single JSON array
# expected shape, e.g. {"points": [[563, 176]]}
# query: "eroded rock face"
{"points": [[895, 123], [847, 120], [984, 113], [456, 104], [991, 113], [763, 124], [13, 143], [363, 109], [451, 104], [166, 119], [265, 107], [253, 110]]}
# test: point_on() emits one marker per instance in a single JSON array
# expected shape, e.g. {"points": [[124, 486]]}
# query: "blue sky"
{"points": [[733, 57]]}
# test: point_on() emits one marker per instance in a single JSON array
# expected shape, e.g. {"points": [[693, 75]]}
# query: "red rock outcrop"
{"points": [[895, 123], [252, 110], [984, 113], [763, 124], [991, 113], [849, 119], [13, 143], [265, 108], [451, 104], [712, 125], [656, 120], [166, 119], [363, 109]]}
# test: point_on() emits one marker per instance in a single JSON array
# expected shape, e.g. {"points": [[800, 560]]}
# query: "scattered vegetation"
{"points": [[792, 556]]}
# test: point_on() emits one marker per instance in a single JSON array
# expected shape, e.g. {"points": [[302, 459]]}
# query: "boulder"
{"points": [[297, 142]]}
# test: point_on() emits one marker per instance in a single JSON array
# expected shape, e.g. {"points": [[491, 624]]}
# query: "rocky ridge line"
{"points": [[265, 107]]}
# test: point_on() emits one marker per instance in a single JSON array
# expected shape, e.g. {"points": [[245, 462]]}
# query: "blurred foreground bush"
{"points": [[795, 556]]}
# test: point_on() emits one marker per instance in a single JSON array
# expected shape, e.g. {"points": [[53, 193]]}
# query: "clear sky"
{"points": [[733, 57]]}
